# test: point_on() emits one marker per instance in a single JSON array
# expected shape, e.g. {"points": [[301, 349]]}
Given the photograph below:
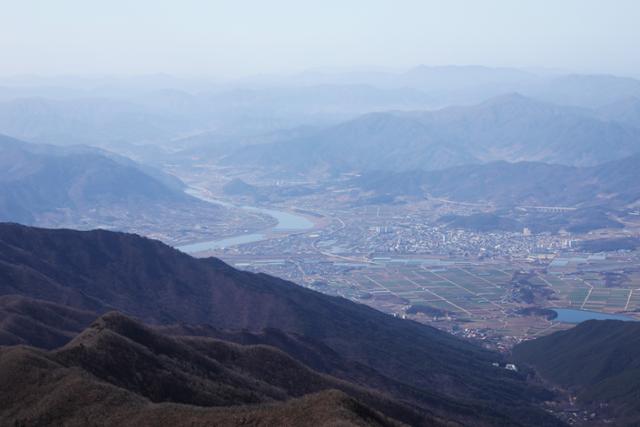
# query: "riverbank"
{"points": [[286, 222]]}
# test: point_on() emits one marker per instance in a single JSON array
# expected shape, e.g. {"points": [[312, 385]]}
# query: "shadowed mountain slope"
{"points": [[117, 366], [599, 360], [39, 323], [47, 325], [101, 271]]}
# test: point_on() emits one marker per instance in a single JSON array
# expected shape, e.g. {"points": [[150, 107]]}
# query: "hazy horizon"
{"points": [[302, 71], [231, 39]]}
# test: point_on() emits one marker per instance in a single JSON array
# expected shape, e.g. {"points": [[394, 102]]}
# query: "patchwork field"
{"points": [[500, 299]]}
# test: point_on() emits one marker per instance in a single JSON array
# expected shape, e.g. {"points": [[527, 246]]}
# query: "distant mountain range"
{"points": [[614, 184], [539, 196], [88, 121], [167, 116], [47, 273], [591, 91], [469, 84], [124, 114], [625, 111], [511, 128], [40, 180], [598, 361]]}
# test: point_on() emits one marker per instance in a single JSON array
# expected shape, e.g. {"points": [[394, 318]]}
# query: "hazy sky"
{"points": [[241, 37]]}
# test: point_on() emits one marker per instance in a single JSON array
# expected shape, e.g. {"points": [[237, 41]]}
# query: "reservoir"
{"points": [[569, 315], [286, 222]]}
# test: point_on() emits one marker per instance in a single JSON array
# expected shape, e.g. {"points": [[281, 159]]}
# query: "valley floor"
{"points": [[494, 287]]}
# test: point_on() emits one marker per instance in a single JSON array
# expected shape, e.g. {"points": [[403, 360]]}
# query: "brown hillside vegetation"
{"points": [[608, 371], [121, 372], [39, 323]]}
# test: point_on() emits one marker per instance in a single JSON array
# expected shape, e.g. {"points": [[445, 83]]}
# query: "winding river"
{"points": [[287, 222]]}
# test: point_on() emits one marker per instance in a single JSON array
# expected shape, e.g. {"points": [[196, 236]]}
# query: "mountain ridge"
{"points": [[103, 271], [521, 183], [609, 368], [120, 358], [511, 127], [38, 179]]}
